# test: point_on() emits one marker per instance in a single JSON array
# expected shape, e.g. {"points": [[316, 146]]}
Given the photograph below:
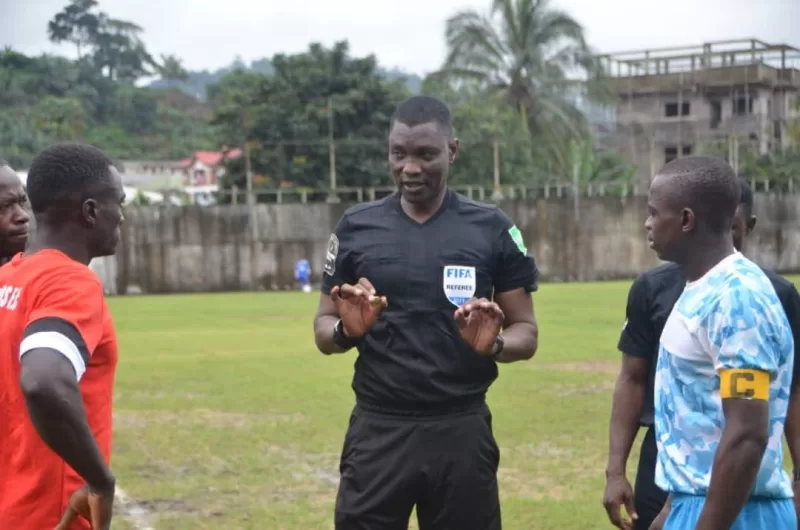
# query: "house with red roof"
{"points": [[204, 168]]}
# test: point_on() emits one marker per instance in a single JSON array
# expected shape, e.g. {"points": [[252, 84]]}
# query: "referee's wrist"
{"points": [[341, 339]]}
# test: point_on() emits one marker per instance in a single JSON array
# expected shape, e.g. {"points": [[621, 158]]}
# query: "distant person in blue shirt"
{"points": [[302, 273], [724, 368]]}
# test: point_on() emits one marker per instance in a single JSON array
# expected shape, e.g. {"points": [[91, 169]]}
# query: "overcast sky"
{"points": [[408, 34]]}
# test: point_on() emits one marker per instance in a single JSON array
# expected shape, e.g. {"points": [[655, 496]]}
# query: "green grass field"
{"points": [[227, 417]]}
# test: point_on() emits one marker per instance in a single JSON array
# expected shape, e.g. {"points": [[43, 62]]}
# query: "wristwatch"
{"points": [[796, 475], [342, 340], [498, 347]]}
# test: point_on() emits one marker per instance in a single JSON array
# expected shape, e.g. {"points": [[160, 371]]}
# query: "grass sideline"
{"points": [[226, 416]]}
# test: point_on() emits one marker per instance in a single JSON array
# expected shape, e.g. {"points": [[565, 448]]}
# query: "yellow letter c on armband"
{"points": [[744, 384]]}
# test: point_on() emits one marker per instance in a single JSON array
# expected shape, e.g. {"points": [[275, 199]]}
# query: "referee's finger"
{"points": [[460, 317], [366, 284], [630, 507], [493, 310], [350, 291], [614, 512]]}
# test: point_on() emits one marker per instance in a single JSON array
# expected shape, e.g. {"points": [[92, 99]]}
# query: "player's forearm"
{"points": [[626, 408], [323, 334], [56, 410], [735, 468], [793, 427], [520, 342]]}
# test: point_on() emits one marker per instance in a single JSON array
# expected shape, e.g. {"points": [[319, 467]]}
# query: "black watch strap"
{"points": [[499, 344], [342, 340], [796, 475]]}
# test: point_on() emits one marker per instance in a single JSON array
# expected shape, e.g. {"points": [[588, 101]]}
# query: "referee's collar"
{"points": [[448, 200]]}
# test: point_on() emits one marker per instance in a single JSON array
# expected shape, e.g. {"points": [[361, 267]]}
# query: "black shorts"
{"points": [[648, 498], [445, 466]]}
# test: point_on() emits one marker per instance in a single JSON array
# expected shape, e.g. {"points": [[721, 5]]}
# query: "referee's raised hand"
{"points": [[480, 321], [359, 306]]}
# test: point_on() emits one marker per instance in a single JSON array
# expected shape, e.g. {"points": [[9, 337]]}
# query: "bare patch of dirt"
{"points": [[590, 367], [163, 506], [203, 417], [312, 478], [265, 318], [516, 483], [542, 450], [601, 387], [157, 395]]}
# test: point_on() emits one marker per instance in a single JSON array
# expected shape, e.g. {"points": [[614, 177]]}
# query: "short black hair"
{"points": [[709, 186], [65, 173], [747, 196], [417, 110]]}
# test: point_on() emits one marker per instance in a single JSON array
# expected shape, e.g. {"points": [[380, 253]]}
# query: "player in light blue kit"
{"points": [[302, 274], [724, 367]]}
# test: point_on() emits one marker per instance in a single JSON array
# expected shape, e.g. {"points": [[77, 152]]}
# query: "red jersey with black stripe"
{"points": [[48, 300]]}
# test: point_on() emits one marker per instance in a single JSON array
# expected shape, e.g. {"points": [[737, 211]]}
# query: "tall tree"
{"points": [[76, 23], [525, 50], [287, 116], [489, 132], [119, 51], [171, 68]]}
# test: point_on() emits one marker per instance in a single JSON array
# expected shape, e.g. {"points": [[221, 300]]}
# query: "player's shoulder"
{"points": [[47, 267], [744, 275], [741, 284]]}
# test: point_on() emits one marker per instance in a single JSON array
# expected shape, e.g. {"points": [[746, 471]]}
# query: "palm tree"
{"points": [[171, 68], [527, 51]]}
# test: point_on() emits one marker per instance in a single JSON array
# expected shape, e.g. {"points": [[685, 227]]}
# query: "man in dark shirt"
{"points": [[650, 302], [421, 283], [13, 217]]}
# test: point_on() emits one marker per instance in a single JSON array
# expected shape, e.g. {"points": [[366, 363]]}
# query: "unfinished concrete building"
{"points": [[718, 98]]}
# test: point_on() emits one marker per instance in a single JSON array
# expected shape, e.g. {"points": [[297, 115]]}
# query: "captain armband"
{"points": [[744, 384]]}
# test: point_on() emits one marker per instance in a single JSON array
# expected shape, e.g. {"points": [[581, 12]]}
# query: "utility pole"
{"points": [[576, 190], [497, 194], [680, 114], [248, 173], [248, 169], [332, 196]]}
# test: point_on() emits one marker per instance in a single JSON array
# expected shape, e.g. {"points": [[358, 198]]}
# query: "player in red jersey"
{"points": [[13, 217], [58, 349]]}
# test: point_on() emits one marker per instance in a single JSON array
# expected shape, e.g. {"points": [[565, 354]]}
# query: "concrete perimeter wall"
{"points": [[194, 249]]}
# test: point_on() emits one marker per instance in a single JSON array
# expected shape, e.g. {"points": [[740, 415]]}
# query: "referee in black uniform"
{"points": [[650, 302], [422, 283]]}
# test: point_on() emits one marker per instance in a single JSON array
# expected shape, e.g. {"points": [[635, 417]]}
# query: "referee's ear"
{"points": [[453, 146]]}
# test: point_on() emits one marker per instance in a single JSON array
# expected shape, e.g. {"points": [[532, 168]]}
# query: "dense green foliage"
{"points": [[509, 78], [286, 117], [287, 108], [94, 98]]}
